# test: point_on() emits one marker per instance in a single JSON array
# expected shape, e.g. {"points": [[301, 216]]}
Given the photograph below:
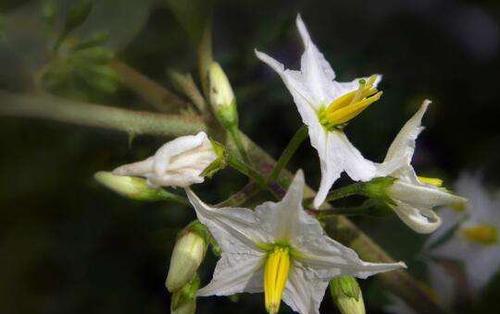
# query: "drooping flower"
{"points": [[279, 249], [411, 197], [326, 106], [178, 163], [474, 241]]}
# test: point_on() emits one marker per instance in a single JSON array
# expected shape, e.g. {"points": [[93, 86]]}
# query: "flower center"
{"points": [[276, 272], [432, 181], [344, 108], [483, 234]]}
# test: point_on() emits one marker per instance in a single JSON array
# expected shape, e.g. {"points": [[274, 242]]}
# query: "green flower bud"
{"points": [[347, 295], [134, 188], [222, 97], [184, 300], [189, 251]]}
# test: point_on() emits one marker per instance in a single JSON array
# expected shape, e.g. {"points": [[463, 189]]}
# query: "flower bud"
{"points": [[184, 300], [347, 295], [222, 97], [131, 187], [189, 251], [178, 163]]}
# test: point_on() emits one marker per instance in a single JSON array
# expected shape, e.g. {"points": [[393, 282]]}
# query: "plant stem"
{"points": [[288, 153], [246, 170], [345, 191], [69, 111], [234, 132], [153, 93]]}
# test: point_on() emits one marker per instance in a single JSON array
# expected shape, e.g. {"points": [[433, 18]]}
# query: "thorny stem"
{"points": [[399, 282], [288, 153]]}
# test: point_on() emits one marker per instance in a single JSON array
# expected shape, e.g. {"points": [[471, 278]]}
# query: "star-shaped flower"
{"points": [[279, 249], [411, 197], [326, 106]]}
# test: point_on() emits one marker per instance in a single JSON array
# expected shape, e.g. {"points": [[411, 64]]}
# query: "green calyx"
{"points": [[219, 163], [185, 295], [377, 189]]}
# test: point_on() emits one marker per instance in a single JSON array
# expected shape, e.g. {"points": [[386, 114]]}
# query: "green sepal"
{"points": [[377, 189], [186, 294], [219, 163], [345, 287]]}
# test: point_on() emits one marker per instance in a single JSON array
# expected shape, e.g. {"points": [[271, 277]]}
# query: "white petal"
{"points": [[442, 283], [422, 195], [337, 154], [175, 147], [420, 220], [236, 273], [303, 293], [316, 71], [139, 168], [402, 148], [295, 84], [281, 220], [327, 258], [235, 229]]}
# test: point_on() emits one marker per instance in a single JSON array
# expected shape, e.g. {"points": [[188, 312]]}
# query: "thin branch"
{"points": [[75, 112], [185, 84], [153, 93]]}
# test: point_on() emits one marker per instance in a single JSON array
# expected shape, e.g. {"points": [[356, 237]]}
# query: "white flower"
{"points": [[325, 106], [474, 242], [413, 198], [178, 163], [398, 306], [279, 249]]}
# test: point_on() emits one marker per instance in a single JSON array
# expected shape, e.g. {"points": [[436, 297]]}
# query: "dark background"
{"points": [[68, 245]]}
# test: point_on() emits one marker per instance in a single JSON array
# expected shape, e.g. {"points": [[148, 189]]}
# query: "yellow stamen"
{"points": [[482, 234], [276, 272], [432, 181], [349, 105]]}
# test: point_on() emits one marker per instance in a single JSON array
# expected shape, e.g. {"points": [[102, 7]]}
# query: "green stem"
{"points": [[168, 196], [246, 170], [346, 211], [343, 192], [234, 132], [288, 153]]}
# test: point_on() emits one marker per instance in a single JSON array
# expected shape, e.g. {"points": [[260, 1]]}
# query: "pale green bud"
{"points": [[134, 188], [222, 97], [347, 295], [184, 300], [189, 251]]}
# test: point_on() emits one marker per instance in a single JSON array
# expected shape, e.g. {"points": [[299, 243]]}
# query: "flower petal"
{"points": [[303, 293], [420, 220], [327, 258], [423, 195], [235, 229], [317, 74], [183, 144], [281, 220], [235, 273], [400, 153], [337, 154], [140, 168]]}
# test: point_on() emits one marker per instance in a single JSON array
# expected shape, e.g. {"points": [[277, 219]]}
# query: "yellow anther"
{"points": [[432, 181], [483, 234], [349, 105], [276, 272]]}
